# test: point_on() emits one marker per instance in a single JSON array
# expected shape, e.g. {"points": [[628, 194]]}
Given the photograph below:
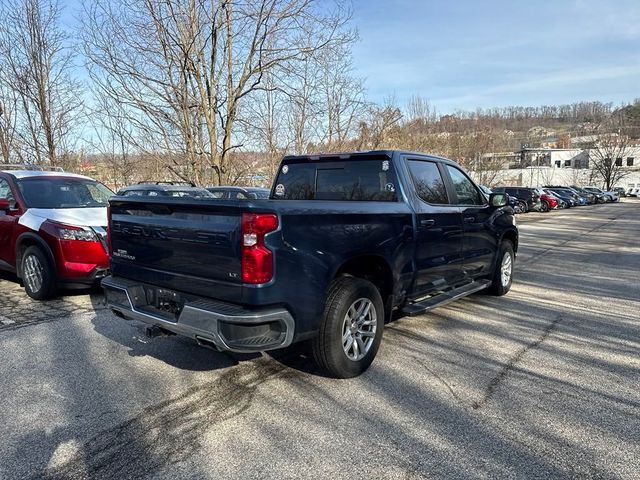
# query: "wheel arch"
{"points": [[511, 235], [27, 240], [373, 268]]}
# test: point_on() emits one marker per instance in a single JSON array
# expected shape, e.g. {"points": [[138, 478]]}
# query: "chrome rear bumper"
{"points": [[228, 326]]}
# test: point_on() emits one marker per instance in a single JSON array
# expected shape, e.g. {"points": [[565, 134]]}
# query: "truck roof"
{"points": [[373, 154]]}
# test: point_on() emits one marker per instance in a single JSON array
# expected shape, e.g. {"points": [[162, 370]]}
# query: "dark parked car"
{"points": [[513, 201], [528, 198], [565, 197], [164, 189], [591, 197], [609, 196], [241, 193], [343, 241]]}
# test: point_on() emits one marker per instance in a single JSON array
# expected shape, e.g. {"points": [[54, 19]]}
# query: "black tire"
{"points": [[523, 206], [498, 287], [328, 350], [34, 257], [544, 206]]}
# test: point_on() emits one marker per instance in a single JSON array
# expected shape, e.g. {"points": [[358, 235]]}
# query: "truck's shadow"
{"points": [[179, 352]]}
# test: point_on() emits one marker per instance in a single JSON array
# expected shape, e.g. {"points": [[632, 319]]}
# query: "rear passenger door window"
{"points": [[428, 182], [466, 191]]}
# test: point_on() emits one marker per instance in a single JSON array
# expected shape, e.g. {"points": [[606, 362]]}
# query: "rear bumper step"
{"points": [[227, 326], [441, 299]]}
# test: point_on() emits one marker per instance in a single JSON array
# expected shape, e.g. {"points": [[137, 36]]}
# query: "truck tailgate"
{"points": [[189, 245]]}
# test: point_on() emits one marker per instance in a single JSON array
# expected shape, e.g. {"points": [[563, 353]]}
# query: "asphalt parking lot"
{"points": [[542, 383]]}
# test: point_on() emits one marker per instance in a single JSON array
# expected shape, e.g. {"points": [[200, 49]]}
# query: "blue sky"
{"points": [[463, 54]]}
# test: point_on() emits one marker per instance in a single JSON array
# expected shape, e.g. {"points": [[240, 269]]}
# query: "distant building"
{"points": [[564, 166]]}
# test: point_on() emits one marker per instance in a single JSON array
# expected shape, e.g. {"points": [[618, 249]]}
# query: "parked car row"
{"points": [[553, 197]]}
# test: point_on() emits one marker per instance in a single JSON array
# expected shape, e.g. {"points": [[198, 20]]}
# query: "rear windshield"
{"points": [[63, 193], [357, 180]]}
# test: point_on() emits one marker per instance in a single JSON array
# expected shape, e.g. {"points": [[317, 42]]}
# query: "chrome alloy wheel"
{"points": [[359, 329], [506, 269], [33, 273]]}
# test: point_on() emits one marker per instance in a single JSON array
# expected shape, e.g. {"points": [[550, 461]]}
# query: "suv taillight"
{"points": [[257, 259]]}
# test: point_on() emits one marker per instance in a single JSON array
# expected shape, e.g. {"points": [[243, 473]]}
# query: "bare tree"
{"points": [[608, 156], [376, 131], [38, 60], [8, 120], [341, 97], [111, 140], [183, 68], [419, 109]]}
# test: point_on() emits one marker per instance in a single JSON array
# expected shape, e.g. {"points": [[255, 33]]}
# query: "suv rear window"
{"points": [[356, 180]]}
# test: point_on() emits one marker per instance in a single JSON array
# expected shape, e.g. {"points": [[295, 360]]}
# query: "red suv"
{"points": [[53, 230]]}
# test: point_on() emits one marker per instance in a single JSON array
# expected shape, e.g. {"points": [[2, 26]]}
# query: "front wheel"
{"points": [[38, 274], [544, 207], [522, 206], [503, 271], [351, 328]]}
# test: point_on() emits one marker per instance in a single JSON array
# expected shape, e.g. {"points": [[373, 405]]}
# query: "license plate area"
{"points": [[162, 302]]}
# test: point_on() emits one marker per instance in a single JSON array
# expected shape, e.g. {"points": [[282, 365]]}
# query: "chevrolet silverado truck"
{"points": [[342, 242]]}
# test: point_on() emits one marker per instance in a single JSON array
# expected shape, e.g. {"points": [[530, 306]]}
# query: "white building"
{"points": [[560, 166]]}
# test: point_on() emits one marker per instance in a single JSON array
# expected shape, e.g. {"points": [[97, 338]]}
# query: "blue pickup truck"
{"points": [[342, 242]]}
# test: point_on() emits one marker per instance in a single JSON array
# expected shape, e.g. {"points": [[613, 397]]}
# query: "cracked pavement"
{"points": [[541, 383]]}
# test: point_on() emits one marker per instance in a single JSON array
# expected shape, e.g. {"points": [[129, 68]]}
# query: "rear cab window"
{"points": [[343, 180]]}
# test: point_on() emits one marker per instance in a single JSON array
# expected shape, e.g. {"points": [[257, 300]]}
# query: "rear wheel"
{"points": [[503, 271], [38, 274], [351, 328]]}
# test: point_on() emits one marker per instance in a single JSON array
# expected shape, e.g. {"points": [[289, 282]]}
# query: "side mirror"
{"points": [[5, 205], [498, 199]]}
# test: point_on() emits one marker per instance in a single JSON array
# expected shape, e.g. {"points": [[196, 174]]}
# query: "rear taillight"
{"points": [[257, 259]]}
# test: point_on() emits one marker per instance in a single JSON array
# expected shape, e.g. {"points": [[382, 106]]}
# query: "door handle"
{"points": [[430, 222], [469, 219]]}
